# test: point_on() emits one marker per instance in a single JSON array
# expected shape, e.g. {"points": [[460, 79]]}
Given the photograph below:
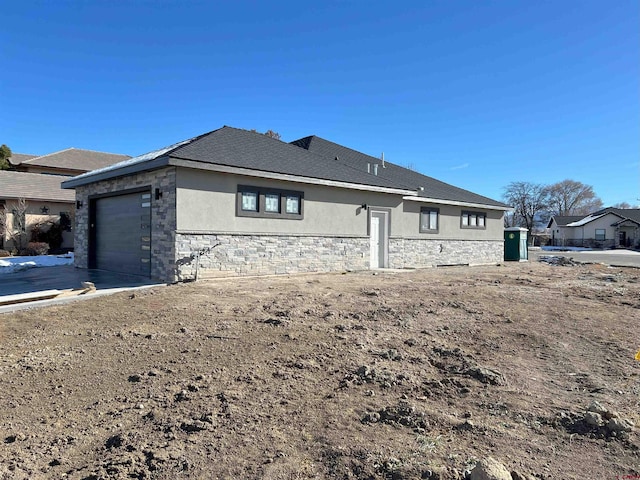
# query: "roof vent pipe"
{"points": [[383, 165], [375, 169]]}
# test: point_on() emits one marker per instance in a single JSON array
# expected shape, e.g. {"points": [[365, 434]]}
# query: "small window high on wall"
{"points": [[473, 220], [269, 203], [429, 219]]}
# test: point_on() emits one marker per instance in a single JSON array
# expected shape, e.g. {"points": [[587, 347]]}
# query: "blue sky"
{"points": [[475, 93]]}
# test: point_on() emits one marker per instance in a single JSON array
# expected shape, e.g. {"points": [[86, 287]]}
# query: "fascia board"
{"points": [[440, 201], [113, 173]]}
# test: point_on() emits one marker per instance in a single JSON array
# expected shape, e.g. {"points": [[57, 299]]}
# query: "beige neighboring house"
{"points": [[37, 179], [606, 228]]}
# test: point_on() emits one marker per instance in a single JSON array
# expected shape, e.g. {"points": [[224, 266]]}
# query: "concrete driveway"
{"points": [[614, 258], [65, 277]]}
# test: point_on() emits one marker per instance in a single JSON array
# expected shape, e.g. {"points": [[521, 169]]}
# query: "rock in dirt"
{"points": [[487, 375], [490, 469], [597, 407], [593, 419], [557, 260], [619, 425], [515, 475]]}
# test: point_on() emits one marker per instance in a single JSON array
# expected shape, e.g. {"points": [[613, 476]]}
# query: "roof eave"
{"points": [[90, 177], [213, 167], [441, 201]]}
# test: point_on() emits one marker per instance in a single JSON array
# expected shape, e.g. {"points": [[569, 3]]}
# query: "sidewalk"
{"points": [[28, 282]]}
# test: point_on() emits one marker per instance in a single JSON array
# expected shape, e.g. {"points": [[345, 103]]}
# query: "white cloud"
{"points": [[459, 167]]}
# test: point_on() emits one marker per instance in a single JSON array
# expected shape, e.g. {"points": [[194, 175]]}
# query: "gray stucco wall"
{"points": [[163, 217], [206, 204]]}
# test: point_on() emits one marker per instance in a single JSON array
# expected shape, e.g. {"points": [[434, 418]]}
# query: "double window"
{"points": [[269, 203], [473, 220], [429, 219]]}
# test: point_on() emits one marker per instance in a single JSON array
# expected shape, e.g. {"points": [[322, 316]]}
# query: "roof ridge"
{"points": [[31, 160], [48, 154], [170, 148]]}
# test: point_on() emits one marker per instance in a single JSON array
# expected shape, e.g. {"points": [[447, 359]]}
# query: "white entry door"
{"points": [[379, 237]]}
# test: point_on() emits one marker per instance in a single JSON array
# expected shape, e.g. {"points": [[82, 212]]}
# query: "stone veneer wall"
{"points": [[233, 254], [163, 218], [415, 253]]}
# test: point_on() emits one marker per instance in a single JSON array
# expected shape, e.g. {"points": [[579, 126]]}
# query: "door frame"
{"points": [[386, 212]]}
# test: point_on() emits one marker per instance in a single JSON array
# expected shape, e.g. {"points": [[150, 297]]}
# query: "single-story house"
{"points": [[235, 202], [606, 228], [37, 179]]}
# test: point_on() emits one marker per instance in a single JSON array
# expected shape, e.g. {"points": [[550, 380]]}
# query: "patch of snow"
{"points": [[585, 220], [566, 249], [17, 264]]}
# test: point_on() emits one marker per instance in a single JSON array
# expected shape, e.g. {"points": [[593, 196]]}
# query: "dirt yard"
{"points": [[356, 376]]}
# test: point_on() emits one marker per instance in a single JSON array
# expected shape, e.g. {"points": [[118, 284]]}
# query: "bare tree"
{"points": [[529, 200], [3, 224], [17, 231], [273, 134], [269, 133], [569, 197], [622, 205]]}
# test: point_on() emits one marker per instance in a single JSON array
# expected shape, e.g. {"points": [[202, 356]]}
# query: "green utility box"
{"points": [[515, 244]]}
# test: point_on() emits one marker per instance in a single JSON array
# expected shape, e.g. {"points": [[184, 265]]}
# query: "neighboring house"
{"points": [[45, 201], [606, 228], [37, 179], [235, 202], [69, 162]]}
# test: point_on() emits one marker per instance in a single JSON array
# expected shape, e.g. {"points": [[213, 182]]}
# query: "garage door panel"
{"points": [[123, 233]]}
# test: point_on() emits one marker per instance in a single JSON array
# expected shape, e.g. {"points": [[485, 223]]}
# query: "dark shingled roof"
{"points": [[408, 179], [631, 213], [33, 186], [76, 159], [234, 147], [241, 148], [564, 220], [310, 157]]}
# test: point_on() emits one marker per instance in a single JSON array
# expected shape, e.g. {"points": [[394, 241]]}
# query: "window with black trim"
{"points": [[473, 220], [269, 203], [429, 219]]}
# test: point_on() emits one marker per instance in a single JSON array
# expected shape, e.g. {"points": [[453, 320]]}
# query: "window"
{"points": [[293, 204], [249, 201], [269, 203], [601, 234], [272, 202], [429, 220], [473, 220]]}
